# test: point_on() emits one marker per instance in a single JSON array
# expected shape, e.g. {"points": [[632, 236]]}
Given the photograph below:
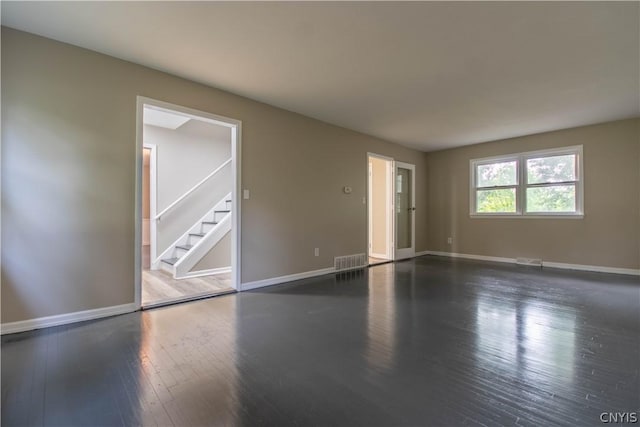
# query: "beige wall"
{"points": [[68, 179], [609, 234], [378, 202]]}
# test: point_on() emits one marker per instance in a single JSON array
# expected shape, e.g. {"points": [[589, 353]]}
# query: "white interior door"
{"points": [[404, 209]]}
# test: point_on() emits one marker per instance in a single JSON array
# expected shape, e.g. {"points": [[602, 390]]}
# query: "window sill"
{"points": [[518, 216]]}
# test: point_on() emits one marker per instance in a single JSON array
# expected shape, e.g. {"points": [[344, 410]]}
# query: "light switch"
{"points": [[245, 194]]}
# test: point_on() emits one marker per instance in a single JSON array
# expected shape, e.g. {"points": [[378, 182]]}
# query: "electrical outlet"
{"points": [[316, 252], [449, 240]]}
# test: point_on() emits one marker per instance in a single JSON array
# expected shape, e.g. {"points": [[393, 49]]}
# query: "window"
{"points": [[539, 183]]}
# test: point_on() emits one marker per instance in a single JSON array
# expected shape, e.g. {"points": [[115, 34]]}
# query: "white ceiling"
{"points": [[426, 75]]}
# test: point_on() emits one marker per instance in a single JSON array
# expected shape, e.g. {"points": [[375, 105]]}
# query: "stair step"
{"points": [[197, 234], [184, 247], [171, 261], [210, 222]]}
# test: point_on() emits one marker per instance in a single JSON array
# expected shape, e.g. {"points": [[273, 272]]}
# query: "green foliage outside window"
{"points": [[540, 198], [495, 201], [551, 199]]}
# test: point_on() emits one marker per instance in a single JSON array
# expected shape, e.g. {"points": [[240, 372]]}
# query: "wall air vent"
{"points": [[350, 262]]}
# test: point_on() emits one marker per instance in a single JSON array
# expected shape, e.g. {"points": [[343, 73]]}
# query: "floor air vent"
{"points": [[350, 262]]}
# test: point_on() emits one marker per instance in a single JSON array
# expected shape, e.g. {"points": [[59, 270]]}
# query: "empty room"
{"points": [[320, 213]]}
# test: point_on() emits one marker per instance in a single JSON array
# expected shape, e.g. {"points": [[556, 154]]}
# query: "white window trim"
{"points": [[521, 184]]}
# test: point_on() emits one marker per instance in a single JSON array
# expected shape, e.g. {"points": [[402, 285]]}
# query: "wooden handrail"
{"points": [[194, 188]]}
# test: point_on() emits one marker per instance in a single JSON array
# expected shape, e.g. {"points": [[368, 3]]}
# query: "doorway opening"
{"points": [[391, 209], [187, 209], [380, 208]]}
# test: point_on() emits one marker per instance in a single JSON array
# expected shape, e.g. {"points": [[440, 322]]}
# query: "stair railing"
{"points": [[194, 188]]}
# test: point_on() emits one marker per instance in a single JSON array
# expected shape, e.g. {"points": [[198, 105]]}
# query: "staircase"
{"points": [[196, 242]]}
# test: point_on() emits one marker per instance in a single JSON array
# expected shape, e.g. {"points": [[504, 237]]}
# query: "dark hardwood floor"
{"points": [[428, 341]]}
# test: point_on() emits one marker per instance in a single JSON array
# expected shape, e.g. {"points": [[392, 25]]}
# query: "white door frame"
{"points": [[236, 162], [390, 235], [407, 252], [153, 165]]}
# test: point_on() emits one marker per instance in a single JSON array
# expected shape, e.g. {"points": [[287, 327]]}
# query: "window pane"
{"points": [[551, 169], [558, 198], [496, 201], [495, 174]]}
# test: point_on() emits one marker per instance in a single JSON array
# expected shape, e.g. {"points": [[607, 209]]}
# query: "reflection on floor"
{"points": [[159, 286], [428, 341]]}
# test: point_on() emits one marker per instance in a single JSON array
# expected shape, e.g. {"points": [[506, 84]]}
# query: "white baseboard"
{"points": [[550, 264], [595, 268], [63, 319], [289, 278], [209, 272], [469, 256], [298, 276]]}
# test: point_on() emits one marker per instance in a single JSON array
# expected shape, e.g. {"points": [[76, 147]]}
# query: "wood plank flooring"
{"points": [[159, 286], [424, 342]]}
